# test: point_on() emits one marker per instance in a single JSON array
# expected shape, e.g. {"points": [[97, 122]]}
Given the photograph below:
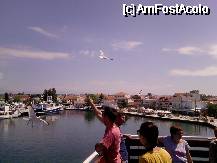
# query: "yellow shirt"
{"points": [[158, 155]]}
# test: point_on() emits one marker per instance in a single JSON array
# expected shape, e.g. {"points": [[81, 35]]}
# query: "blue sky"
{"points": [[53, 43]]}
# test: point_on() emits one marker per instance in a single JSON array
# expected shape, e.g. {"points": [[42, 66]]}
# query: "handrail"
{"points": [[91, 157], [184, 137], [197, 138]]}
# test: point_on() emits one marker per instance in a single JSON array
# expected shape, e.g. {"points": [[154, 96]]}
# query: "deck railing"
{"points": [[199, 149]]}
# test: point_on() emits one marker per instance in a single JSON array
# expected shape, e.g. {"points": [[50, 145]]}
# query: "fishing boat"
{"points": [[199, 149]]}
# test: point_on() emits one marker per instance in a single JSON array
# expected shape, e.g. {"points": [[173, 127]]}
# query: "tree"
{"points": [[6, 97], [212, 110], [54, 94], [136, 97], [94, 97], [16, 98], [122, 103], [101, 97], [45, 95], [50, 92]]}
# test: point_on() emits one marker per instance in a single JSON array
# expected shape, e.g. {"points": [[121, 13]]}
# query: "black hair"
{"points": [[174, 130], [111, 113], [150, 132]]}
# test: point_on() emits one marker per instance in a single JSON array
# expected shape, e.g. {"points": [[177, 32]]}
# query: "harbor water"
{"points": [[69, 138]]}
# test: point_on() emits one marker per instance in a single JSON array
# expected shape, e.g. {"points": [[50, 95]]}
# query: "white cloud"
{"points": [[208, 71], [1, 75], [189, 50], [213, 51], [88, 53], [43, 32], [210, 50], [126, 45], [32, 54]]}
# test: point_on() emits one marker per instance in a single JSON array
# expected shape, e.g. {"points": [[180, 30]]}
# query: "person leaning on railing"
{"points": [[148, 135], [177, 147], [213, 148]]}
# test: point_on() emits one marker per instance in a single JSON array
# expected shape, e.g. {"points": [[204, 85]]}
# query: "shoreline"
{"points": [[176, 119]]}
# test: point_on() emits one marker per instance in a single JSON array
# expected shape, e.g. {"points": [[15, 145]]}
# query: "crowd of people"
{"points": [[112, 147]]}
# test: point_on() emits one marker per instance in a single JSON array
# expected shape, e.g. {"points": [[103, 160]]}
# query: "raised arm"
{"points": [[96, 110]]}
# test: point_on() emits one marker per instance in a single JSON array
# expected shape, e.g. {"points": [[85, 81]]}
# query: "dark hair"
{"points": [[174, 130], [150, 131], [111, 113]]}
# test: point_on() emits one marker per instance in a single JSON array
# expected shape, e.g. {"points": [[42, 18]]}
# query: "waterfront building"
{"points": [[121, 98], [164, 102], [80, 102], [68, 99], [149, 102], [188, 102]]}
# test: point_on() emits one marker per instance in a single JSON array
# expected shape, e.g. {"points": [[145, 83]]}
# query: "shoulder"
{"points": [[161, 150], [167, 139], [182, 141], [145, 156]]}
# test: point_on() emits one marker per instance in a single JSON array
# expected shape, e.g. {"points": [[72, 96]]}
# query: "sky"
{"points": [[55, 44]]}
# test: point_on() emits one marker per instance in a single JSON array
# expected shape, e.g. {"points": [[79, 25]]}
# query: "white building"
{"points": [[187, 102]]}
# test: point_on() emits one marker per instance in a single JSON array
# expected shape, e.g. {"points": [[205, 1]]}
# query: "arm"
{"points": [[100, 148], [97, 111], [189, 156]]}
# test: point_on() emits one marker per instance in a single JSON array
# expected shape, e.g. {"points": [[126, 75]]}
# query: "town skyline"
{"points": [[58, 46]]}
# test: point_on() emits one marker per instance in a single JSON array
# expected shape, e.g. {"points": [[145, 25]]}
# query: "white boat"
{"points": [[70, 107], [7, 114]]}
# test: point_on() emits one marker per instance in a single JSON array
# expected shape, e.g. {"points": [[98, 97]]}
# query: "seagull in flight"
{"points": [[102, 56], [33, 118]]}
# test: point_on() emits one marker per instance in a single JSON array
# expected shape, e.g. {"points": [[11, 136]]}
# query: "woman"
{"points": [[109, 146], [176, 146], [148, 135]]}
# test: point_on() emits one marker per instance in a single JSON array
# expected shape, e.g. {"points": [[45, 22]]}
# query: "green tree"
{"points": [[136, 97], [54, 94], [122, 104], [101, 97], [16, 98], [6, 97], [212, 110], [94, 97], [50, 92], [45, 95]]}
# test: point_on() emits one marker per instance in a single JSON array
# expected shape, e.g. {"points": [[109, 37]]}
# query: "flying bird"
{"points": [[102, 56], [33, 118]]}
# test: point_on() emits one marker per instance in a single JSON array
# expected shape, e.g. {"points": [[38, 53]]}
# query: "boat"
{"points": [[70, 107], [21, 108], [7, 114], [45, 108], [199, 149]]}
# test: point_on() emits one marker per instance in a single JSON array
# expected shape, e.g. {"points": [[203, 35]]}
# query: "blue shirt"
{"points": [[123, 149], [177, 151]]}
